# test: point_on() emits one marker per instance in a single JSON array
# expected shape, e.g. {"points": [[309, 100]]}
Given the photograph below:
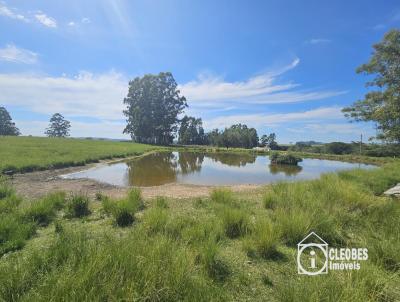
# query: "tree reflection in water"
{"points": [[288, 170], [163, 167], [190, 162], [233, 159], [153, 170]]}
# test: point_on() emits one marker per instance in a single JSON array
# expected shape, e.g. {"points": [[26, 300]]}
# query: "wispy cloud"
{"points": [[273, 119], [37, 16], [99, 96], [11, 53], [328, 128], [11, 13], [85, 20], [318, 41], [212, 91], [46, 20]]}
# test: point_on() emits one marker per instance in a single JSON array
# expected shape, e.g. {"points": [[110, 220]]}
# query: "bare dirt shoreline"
{"points": [[37, 184]]}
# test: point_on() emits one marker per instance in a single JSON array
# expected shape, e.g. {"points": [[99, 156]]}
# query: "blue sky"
{"points": [[280, 66]]}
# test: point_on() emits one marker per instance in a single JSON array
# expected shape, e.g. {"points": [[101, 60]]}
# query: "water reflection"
{"points": [[233, 159], [156, 169], [207, 169], [288, 170]]}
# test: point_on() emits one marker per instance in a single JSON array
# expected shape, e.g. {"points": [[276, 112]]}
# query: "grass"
{"points": [[78, 206], [26, 154], [228, 247], [124, 210]]}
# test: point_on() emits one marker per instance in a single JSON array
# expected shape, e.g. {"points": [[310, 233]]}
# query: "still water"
{"points": [[207, 169]]}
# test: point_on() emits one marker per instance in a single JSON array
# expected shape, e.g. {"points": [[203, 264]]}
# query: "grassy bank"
{"points": [[228, 247], [26, 154]]}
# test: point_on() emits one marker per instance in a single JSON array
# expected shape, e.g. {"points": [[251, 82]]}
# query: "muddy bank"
{"points": [[37, 184]]}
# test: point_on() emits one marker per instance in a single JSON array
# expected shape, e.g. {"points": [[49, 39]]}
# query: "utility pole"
{"points": [[361, 144]]}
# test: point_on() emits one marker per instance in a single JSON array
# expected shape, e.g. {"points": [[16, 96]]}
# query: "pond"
{"points": [[207, 169]]}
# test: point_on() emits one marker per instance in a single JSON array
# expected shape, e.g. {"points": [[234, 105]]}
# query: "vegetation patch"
{"points": [[78, 206], [284, 159]]}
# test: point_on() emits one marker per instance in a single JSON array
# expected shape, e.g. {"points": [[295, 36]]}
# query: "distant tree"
{"points": [[214, 138], [191, 131], [59, 126], [239, 136], [153, 105], [7, 126], [382, 106], [338, 148], [269, 140]]}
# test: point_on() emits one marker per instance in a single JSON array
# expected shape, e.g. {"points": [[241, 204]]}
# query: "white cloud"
{"points": [[46, 20], [85, 20], [319, 41], [273, 119], [99, 96], [11, 13], [329, 128], [71, 23], [11, 53], [211, 91]]}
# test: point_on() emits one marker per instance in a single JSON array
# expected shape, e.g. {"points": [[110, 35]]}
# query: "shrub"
{"points": [[44, 210], [123, 217], [161, 202], [5, 189], [263, 241], [135, 200], [235, 222], [211, 261], [155, 220], [14, 232], [124, 210], [284, 159], [222, 196], [78, 206]]}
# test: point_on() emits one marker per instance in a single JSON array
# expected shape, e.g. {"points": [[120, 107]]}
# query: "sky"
{"points": [[280, 66]]}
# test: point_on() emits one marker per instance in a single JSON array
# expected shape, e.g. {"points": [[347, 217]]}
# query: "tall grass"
{"points": [[44, 210], [263, 241], [124, 210], [135, 268], [78, 206]]}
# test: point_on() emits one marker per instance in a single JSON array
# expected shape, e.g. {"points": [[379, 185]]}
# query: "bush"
{"points": [[222, 196], [123, 217], [14, 232], [78, 206], [234, 221], [284, 159], [155, 220], [263, 241], [124, 210], [44, 210], [135, 200], [211, 261]]}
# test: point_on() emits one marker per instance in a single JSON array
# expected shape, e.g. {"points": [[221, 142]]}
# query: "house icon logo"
{"points": [[312, 255]]}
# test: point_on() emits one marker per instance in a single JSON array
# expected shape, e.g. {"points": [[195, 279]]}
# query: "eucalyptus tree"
{"points": [[153, 105], [58, 127], [7, 126]]}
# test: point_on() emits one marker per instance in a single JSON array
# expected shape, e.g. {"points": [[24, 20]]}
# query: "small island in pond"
{"points": [[284, 159]]}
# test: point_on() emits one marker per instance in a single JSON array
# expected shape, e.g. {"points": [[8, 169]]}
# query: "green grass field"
{"points": [[26, 154], [228, 247]]}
